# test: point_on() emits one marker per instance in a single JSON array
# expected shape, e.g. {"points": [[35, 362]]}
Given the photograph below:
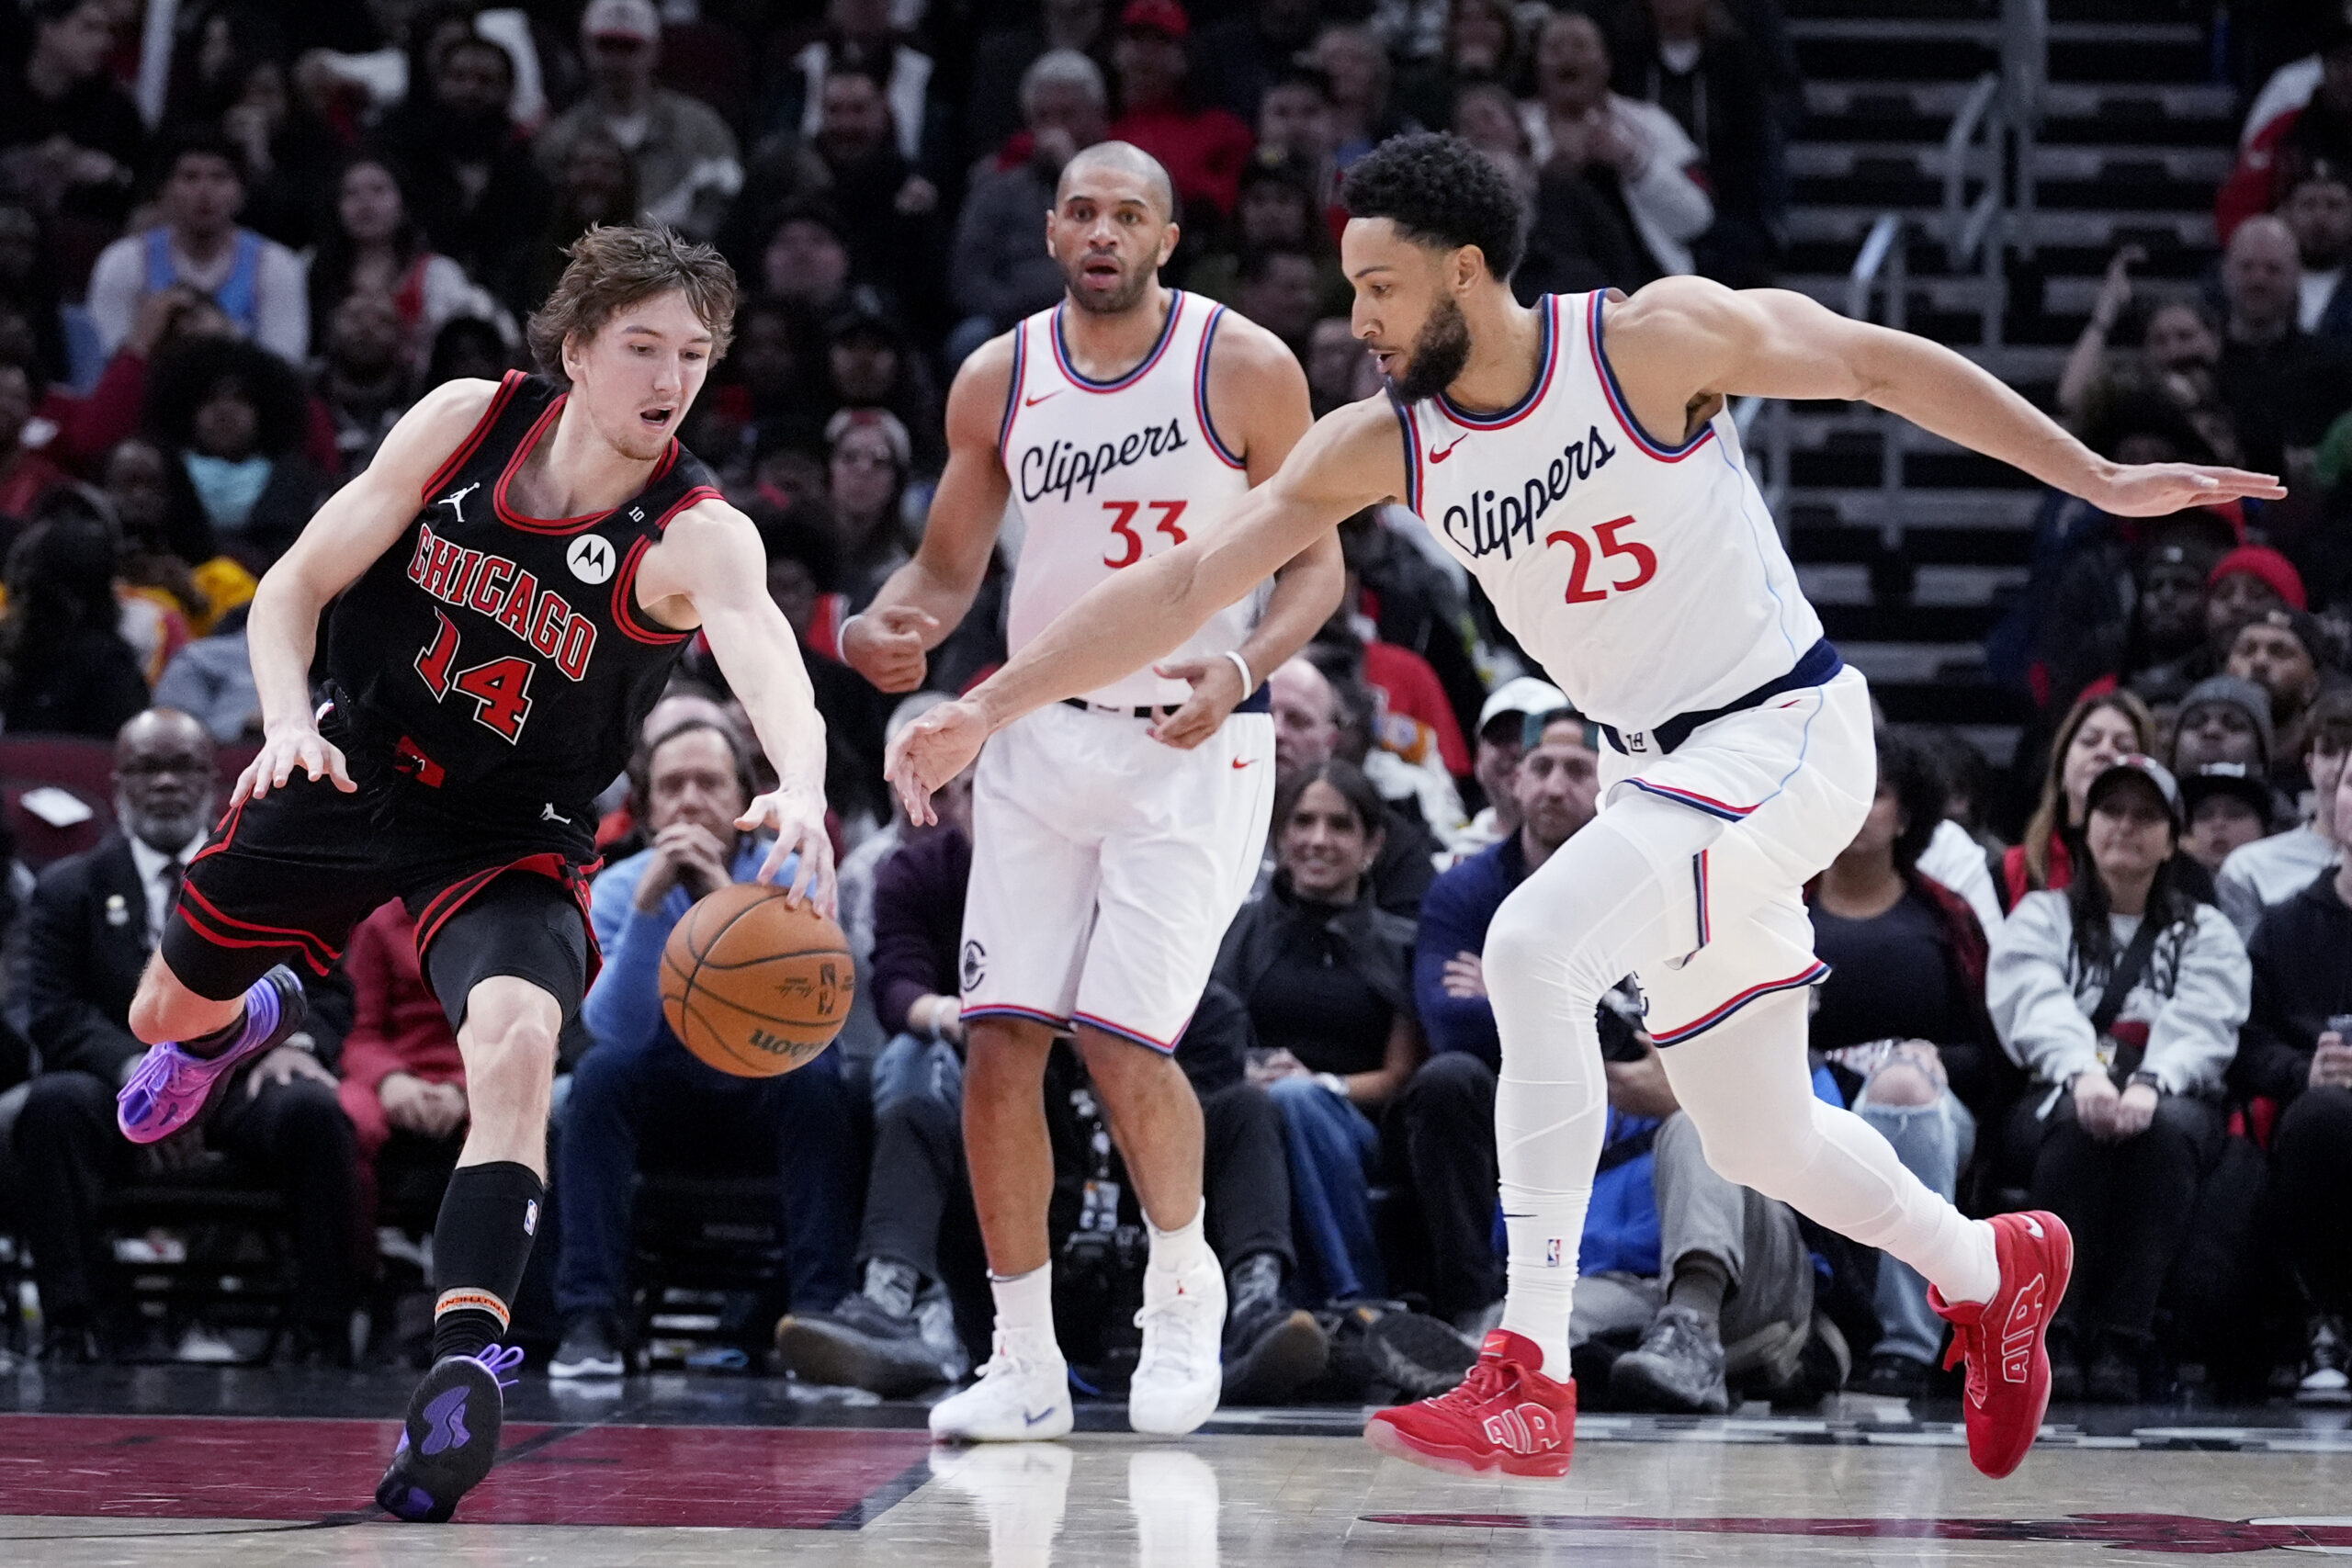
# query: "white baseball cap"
{"points": [[621, 18], [1523, 696]]}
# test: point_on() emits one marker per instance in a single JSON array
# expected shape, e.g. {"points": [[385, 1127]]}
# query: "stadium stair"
{"points": [[2136, 134]]}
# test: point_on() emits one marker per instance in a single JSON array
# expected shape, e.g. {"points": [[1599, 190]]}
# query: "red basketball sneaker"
{"points": [[2003, 1340], [1506, 1415]]}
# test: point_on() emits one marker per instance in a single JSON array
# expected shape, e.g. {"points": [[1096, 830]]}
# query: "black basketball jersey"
{"points": [[506, 657]]}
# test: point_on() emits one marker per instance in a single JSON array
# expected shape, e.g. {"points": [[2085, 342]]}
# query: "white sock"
{"points": [[1541, 1276], [1024, 1311], [1184, 1247], [1975, 1266]]}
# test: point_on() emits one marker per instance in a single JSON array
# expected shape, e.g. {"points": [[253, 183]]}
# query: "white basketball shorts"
{"points": [[1105, 867], [1789, 782]]}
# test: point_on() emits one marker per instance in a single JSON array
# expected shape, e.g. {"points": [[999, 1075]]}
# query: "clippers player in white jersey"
{"points": [[1117, 832], [1577, 456]]}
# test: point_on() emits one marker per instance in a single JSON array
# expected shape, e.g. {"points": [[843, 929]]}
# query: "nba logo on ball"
{"points": [[755, 984]]}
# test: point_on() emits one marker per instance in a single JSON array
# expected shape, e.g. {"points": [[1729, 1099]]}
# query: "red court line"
{"points": [[152, 1467]]}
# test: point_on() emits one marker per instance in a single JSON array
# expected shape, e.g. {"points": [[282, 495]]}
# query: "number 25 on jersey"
{"points": [[1630, 552]]}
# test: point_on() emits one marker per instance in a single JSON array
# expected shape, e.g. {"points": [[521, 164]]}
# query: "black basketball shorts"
{"points": [[284, 879]]}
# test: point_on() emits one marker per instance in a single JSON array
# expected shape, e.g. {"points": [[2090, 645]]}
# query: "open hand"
{"points": [[886, 646], [2158, 489], [932, 750], [2134, 1109], [284, 1066], [799, 819], [1216, 692], [282, 751]]}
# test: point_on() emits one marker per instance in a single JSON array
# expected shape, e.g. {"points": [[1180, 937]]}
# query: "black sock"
{"points": [[204, 1046], [479, 1245], [1701, 1283]]}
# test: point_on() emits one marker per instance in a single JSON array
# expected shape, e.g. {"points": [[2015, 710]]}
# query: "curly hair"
{"points": [[613, 267], [188, 375], [1440, 190], [1907, 769]]}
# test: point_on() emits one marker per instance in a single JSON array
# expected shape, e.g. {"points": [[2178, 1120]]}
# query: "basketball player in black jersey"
{"points": [[519, 570]]}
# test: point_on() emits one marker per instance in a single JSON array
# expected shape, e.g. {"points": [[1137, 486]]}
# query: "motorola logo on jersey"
{"points": [[1505, 520], [507, 595], [1062, 466], [591, 558]]}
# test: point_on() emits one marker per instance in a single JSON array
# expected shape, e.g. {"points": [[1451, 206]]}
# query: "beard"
{"points": [[1119, 301], [1439, 354]]}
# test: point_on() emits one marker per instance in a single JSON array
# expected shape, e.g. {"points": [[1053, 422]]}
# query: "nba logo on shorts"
{"points": [[1552, 1253]]}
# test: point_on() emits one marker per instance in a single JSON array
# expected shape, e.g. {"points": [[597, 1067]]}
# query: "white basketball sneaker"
{"points": [[1021, 1395], [1179, 1376]]}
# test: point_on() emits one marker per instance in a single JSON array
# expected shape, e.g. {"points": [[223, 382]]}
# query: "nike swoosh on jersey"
{"points": [[1041, 396], [1240, 762], [1439, 457]]}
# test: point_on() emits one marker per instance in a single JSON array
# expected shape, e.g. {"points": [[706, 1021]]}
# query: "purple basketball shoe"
{"points": [[171, 1088]]}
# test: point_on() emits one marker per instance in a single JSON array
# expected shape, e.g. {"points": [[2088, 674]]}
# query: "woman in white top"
{"points": [[371, 245], [2126, 1118]]}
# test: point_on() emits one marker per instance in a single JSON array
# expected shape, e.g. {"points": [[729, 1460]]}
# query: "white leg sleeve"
{"points": [[1593, 913], [1747, 1087]]}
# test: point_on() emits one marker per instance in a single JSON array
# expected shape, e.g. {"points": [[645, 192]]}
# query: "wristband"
{"points": [[1333, 1082], [1249, 681], [840, 637]]}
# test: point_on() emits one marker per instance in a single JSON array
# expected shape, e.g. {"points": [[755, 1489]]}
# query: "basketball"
{"points": [[755, 984]]}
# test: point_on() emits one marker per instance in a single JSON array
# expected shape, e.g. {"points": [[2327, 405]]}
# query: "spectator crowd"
{"points": [[226, 272]]}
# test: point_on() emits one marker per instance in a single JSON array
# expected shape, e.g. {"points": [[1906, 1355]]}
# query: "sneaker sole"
{"points": [[448, 1445], [1044, 1431], [1185, 1421], [814, 1354], [567, 1372], [1396, 1443], [1295, 1354]]}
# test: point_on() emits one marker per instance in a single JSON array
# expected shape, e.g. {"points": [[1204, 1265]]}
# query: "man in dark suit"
{"points": [[91, 923]]}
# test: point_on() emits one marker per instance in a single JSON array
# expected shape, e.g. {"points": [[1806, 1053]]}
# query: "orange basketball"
{"points": [[756, 986]]}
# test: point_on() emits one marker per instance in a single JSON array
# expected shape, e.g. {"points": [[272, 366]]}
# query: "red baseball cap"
{"points": [[2255, 561], [1157, 16]]}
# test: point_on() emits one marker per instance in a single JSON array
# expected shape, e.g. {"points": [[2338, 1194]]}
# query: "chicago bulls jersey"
{"points": [[1109, 473], [1647, 579], [503, 656]]}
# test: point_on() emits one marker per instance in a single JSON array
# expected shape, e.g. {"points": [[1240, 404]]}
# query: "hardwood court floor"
{"points": [[183, 1468]]}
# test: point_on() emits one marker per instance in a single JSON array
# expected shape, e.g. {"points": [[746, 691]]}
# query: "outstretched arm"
{"points": [[888, 642], [710, 568], [1348, 462], [1683, 341], [358, 523]]}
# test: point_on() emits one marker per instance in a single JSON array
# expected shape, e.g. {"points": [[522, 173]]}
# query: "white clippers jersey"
{"points": [[1107, 473], [1647, 579]]}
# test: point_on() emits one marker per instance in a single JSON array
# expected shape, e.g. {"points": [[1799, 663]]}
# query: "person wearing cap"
{"points": [[1501, 743], [2166, 634], [2294, 1054], [2125, 1121], [688, 168], [2223, 719], [2285, 653], [2227, 807], [871, 364], [1203, 149], [2270, 871]]}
